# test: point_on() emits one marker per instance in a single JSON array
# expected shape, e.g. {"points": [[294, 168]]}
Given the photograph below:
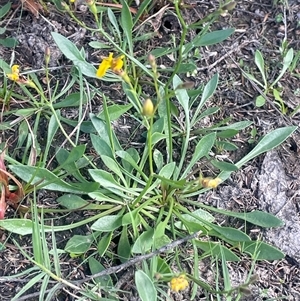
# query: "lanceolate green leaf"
{"points": [[203, 147], [72, 53], [258, 218], [43, 178], [126, 20], [208, 91], [261, 251], [212, 38], [267, 143]]}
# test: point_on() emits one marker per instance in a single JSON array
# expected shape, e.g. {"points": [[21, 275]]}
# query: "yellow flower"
{"points": [[115, 64], [14, 75], [179, 283], [209, 182]]}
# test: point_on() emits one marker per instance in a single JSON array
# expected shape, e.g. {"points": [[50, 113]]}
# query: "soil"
{"points": [[270, 182]]}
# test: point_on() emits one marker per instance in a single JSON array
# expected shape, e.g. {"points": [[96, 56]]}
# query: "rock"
{"points": [[273, 186]]}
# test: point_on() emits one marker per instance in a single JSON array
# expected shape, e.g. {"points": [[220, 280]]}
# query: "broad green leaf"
{"points": [[227, 133], [214, 249], [113, 166], [113, 20], [167, 170], [144, 242], [202, 149], [73, 167], [43, 178], [72, 100], [85, 126], [105, 132], [124, 248], [100, 146], [161, 51], [104, 243], [208, 91], [162, 266], [259, 218], [268, 142], [75, 154], [5, 9], [195, 221], [127, 24], [181, 95], [72, 53], [235, 126], [107, 181], [107, 223], [161, 241], [187, 67], [145, 286], [228, 233], [79, 244], [131, 217], [129, 159], [9, 42], [260, 63], [210, 38], [156, 137], [286, 64], [73, 201], [260, 101], [224, 165], [261, 251], [158, 159], [95, 268], [52, 129], [226, 145], [17, 226], [115, 111]]}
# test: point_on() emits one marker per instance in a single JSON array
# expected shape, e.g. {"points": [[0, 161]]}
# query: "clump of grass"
{"points": [[142, 203]]}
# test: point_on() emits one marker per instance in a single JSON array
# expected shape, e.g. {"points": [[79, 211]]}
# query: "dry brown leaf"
{"points": [[32, 6]]}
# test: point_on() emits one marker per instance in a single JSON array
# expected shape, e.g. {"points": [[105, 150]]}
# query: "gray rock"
{"points": [[273, 186]]}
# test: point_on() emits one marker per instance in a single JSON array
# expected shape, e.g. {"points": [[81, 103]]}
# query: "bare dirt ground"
{"points": [[266, 180]]}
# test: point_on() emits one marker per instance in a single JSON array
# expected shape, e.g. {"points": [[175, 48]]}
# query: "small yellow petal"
{"points": [[179, 283], [117, 63], [13, 76], [105, 65], [15, 69]]}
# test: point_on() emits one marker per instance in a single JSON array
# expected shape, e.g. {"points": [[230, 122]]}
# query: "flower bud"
{"points": [[47, 55], [148, 108], [152, 62], [125, 77], [92, 6]]}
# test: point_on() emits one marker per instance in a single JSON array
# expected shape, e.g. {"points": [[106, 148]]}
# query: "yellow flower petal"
{"points": [[179, 283], [13, 76], [15, 69], [117, 63], [105, 65]]}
